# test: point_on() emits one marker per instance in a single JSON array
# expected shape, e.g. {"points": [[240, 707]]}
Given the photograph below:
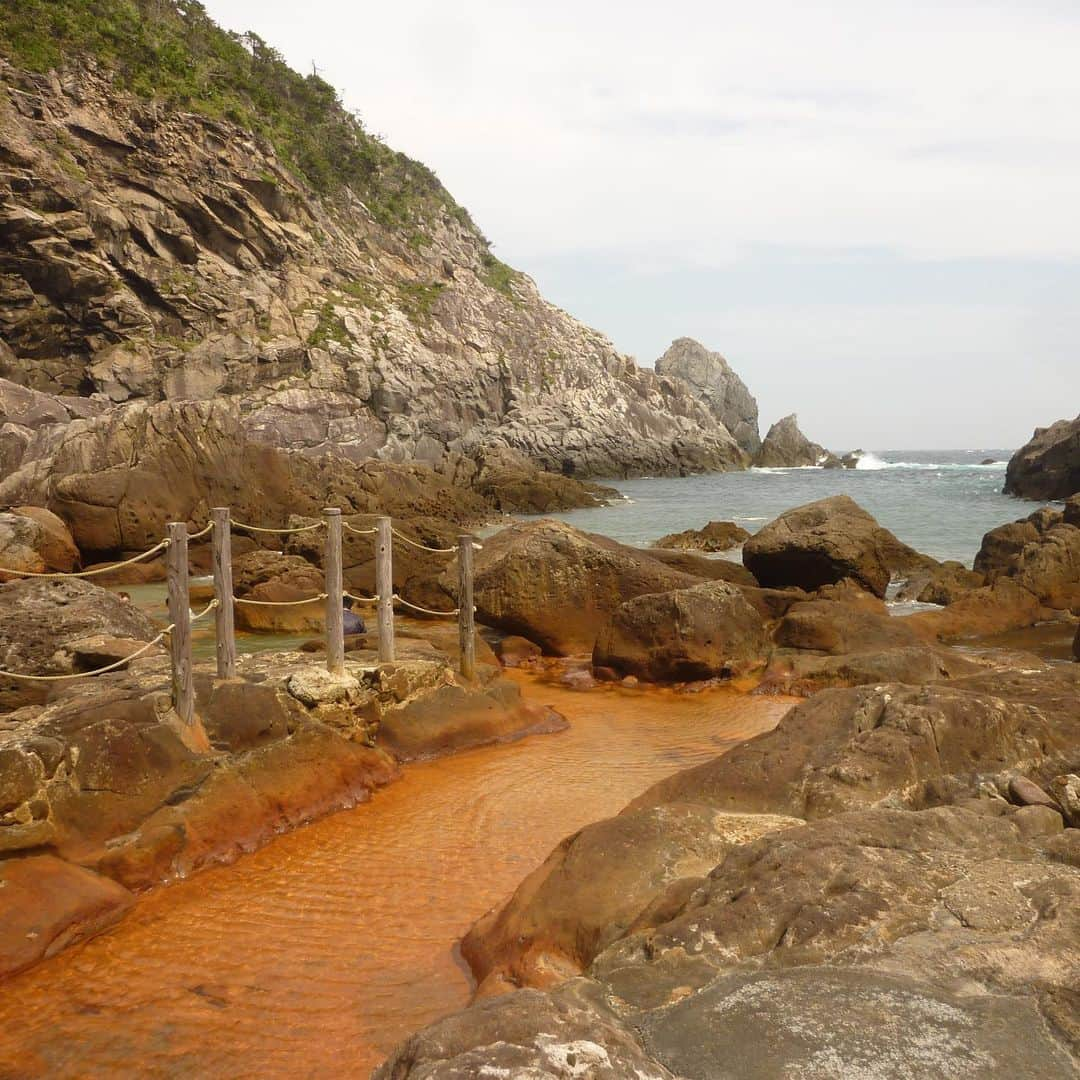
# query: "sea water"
{"points": [[941, 502]]}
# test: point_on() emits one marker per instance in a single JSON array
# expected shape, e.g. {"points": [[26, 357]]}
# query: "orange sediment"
{"points": [[315, 955]]}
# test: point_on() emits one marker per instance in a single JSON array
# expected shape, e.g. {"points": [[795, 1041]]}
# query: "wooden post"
{"points": [[223, 590], [466, 618], [183, 690], [335, 613], [384, 588]]}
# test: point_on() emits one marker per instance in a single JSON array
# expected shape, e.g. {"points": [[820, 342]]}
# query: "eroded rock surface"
{"points": [[1047, 467], [786, 447], [715, 536]]}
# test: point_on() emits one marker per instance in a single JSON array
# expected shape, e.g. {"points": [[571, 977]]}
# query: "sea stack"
{"points": [[719, 388], [786, 447]]}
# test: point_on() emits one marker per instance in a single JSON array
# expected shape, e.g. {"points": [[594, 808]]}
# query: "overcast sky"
{"points": [[871, 208]]}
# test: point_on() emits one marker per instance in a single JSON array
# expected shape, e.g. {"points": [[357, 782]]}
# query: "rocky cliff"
{"points": [[712, 380], [1048, 466], [182, 217]]}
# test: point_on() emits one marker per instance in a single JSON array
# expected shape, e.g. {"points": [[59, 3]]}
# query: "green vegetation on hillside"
{"points": [[173, 51]]}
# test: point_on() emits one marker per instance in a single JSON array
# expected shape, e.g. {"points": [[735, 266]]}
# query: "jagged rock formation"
{"points": [[786, 447], [1048, 466], [148, 252], [712, 380]]}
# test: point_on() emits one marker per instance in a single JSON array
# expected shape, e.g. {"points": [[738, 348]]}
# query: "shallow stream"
{"points": [[315, 955]]}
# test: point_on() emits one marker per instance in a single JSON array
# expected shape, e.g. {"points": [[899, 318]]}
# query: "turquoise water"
{"points": [[941, 502]]}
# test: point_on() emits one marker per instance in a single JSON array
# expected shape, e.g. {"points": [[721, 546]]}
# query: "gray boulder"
{"points": [[722, 391], [786, 447]]}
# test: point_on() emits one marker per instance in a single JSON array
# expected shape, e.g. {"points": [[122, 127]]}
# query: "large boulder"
{"points": [[722, 391], [786, 447], [263, 580], [1048, 466], [837, 628], [46, 626], [715, 536], [558, 586], [701, 632], [1040, 553], [826, 542], [36, 541]]}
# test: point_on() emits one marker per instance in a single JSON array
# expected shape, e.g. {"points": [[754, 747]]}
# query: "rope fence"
{"points": [[220, 528]]}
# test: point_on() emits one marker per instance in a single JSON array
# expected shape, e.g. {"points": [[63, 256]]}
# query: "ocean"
{"points": [[941, 502]]}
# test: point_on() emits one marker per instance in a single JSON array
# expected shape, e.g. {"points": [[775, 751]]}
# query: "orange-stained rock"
{"points": [[47, 904]]}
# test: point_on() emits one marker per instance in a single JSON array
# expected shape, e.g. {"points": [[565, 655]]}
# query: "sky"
{"points": [[870, 208]]}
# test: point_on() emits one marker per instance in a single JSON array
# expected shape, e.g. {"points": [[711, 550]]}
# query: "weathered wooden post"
{"points": [[384, 588], [335, 613], [224, 629], [466, 617], [183, 690]]}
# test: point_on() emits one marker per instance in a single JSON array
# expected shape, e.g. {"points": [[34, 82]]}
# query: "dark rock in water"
{"points": [[988, 461], [851, 459], [715, 536], [1047, 467], [684, 635], [825, 542], [718, 387], [786, 447]]}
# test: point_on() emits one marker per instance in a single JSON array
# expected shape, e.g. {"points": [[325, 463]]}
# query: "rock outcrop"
{"points": [[715, 536], [33, 540], [148, 252], [786, 447], [559, 587], [825, 542], [1047, 467], [874, 897], [702, 632], [712, 380]]}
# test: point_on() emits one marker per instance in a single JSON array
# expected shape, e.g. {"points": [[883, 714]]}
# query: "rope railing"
{"points": [[278, 532], [427, 611], [224, 601], [281, 603], [423, 547], [97, 671], [160, 546]]}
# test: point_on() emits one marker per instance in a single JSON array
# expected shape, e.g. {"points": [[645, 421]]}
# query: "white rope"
{"points": [[297, 529], [202, 532], [359, 532], [361, 599], [99, 671], [426, 611], [90, 573], [206, 610], [281, 603], [423, 547]]}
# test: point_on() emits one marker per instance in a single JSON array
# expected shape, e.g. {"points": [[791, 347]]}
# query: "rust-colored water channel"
{"points": [[315, 955]]}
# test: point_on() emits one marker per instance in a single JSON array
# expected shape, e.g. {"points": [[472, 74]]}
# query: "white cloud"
{"points": [[700, 134]]}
